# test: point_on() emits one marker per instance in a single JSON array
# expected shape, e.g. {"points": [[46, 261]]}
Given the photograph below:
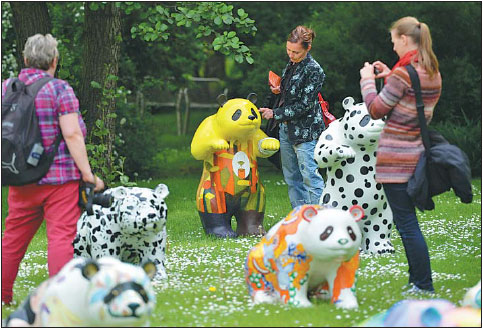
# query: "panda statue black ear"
{"points": [[89, 269], [221, 99], [150, 269], [252, 97]]}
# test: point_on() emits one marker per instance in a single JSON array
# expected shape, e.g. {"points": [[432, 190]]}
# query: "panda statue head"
{"points": [[90, 293], [119, 294], [358, 126], [140, 210], [237, 119], [332, 234]]}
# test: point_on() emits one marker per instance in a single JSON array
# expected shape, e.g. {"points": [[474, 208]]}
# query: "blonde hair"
{"points": [[40, 51], [302, 34], [420, 34]]}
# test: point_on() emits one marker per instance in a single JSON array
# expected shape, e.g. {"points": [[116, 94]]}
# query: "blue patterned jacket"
{"points": [[301, 109]]}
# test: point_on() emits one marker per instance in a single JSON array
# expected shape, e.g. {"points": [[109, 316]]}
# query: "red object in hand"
{"points": [[328, 117], [273, 79]]}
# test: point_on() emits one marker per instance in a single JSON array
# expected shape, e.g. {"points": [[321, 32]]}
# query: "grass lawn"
{"points": [[206, 279], [205, 285]]}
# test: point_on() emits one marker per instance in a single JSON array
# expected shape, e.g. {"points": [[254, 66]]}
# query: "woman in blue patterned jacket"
{"points": [[300, 117]]}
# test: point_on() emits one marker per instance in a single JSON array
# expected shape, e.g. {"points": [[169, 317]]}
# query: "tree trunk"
{"points": [[29, 18], [100, 60]]}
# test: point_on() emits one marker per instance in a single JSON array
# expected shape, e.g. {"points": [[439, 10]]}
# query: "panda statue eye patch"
{"points": [[351, 233], [254, 113], [123, 287], [327, 232], [236, 115]]}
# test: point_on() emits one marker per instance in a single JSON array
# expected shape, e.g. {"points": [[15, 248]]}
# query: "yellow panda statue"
{"points": [[229, 143]]}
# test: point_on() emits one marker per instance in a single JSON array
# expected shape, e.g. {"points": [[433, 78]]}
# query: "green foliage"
{"points": [[174, 41], [467, 137], [269, 56], [9, 62], [209, 21], [135, 142], [109, 168], [350, 33], [67, 29]]}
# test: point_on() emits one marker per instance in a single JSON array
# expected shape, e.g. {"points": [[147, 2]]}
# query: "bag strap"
{"points": [[419, 105], [34, 88], [328, 117]]}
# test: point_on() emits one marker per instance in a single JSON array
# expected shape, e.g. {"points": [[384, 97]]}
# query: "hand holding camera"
{"points": [[88, 197], [380, 69], [367, 71]]}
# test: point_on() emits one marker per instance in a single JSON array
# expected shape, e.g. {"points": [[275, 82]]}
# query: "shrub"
{"points": [[467, 137], [136, 141]]}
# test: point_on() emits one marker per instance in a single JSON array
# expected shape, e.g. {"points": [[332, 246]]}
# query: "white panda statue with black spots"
{"points": [[347, 148]]}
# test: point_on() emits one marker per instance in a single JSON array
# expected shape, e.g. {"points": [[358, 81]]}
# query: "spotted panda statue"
{"points": [[347, 148], [132, 229], [90, 293], [229, 143]]}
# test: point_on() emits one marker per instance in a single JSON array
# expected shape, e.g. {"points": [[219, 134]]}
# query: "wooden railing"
{"points": [[182, 95]]}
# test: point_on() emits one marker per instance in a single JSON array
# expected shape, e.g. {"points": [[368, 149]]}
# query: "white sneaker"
{"points": [[415, 290]]}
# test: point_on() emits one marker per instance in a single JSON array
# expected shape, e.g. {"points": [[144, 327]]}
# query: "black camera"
{"points": [[87, 197]]}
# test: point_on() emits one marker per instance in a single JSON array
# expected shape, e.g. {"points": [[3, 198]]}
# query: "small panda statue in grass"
{"points": [[347, 148], [229, 142], [90, 293], [315, 248]]}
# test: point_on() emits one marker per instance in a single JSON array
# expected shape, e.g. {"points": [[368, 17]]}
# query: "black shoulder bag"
{"points": [[442, 166]]}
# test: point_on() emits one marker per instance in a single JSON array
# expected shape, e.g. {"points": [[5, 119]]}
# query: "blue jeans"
{"points": [[305, 184], [404, 215]]}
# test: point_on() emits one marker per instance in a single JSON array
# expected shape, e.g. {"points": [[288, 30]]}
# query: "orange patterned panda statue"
{"points": [[312, 249]]}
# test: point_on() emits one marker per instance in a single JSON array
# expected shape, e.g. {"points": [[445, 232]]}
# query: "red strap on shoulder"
{"points": [[328, 117]]}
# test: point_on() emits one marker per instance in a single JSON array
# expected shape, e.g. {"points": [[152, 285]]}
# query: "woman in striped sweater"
{"points": [[400, 144]]}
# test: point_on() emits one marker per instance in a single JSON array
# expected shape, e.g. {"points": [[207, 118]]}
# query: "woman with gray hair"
{"points": [[55, 196]]}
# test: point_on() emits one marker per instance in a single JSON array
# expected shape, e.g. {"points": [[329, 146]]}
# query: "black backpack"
{"points": [[24, 160]]}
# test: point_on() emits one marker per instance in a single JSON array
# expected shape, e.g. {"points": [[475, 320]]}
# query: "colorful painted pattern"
{"points": [[220, 179], [281, 268], [275, 266]]}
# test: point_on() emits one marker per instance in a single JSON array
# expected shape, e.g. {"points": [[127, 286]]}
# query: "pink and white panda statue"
{"points": [[90, 293]]}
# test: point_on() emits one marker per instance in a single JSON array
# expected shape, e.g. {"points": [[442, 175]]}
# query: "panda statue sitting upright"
{"points": [[132, 229], [347, 148], [90, 293], [229, 143]]}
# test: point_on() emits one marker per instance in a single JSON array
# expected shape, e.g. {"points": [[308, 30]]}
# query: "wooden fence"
{"points": [[181, 98]]}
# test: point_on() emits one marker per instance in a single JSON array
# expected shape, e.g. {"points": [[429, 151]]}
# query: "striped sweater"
{"points": [[400, 144]]}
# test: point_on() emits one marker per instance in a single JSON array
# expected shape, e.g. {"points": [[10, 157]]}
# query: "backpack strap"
{"points": [[33, 89], [18, 85], [419, 105]]}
